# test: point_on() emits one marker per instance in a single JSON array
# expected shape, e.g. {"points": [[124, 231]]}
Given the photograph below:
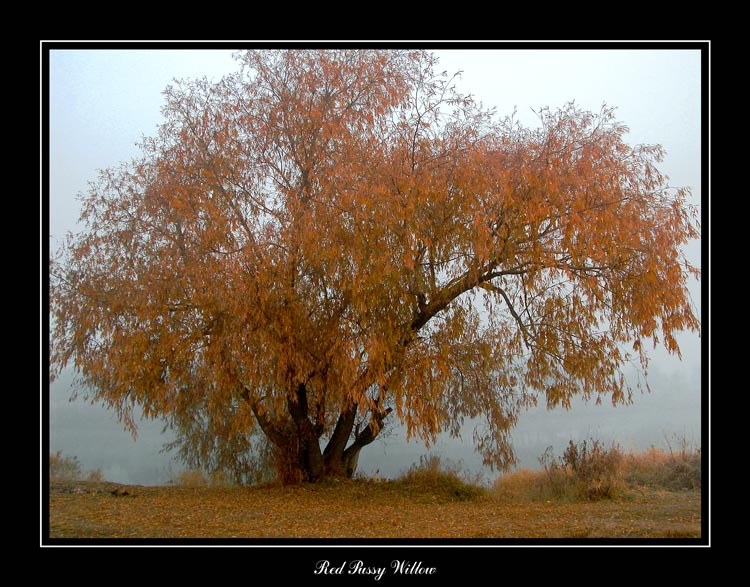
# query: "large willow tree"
{"points": [[328, 239]]}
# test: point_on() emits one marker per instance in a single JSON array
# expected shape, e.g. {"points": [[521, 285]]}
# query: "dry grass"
{"points": [[523, 484], [192, 478], [434, 499], [673, 470], [439, 477], [591, 471], [355, 509]]}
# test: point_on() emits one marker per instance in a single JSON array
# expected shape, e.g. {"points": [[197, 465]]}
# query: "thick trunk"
{"points": [[334, 452], [350, 456], [311, 460], [310, 456], [350, 459], [298, 460], [298, 456], [298, 441]]}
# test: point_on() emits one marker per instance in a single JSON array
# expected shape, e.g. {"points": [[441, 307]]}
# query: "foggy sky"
{"points": [[103, 102]]}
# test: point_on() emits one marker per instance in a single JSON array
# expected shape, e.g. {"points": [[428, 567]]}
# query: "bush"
{"points": [[198, 478], [672, 470], [221, 479], [586, 471], [524, 484], [443, 478], [194, 478], [95, 475], [591, 471], [63, 468]]}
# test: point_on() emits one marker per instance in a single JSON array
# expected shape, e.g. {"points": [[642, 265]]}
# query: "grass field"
{"points": [[358, 509]]}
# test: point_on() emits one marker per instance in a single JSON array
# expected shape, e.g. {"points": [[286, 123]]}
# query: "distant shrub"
{"points": [[594, 469], [198, 478], [672, 469], [444, 478], [589, 471], [221, 479], [524, 484], [245, 459], [95, 475], [62, 468], [194, 478]]}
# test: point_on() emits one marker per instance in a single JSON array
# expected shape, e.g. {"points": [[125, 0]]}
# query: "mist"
{"points": [[103, 102], [670, 413]]}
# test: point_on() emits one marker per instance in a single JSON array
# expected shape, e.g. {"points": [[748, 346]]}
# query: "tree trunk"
{"points": [[310, 457], [299, 456], [334, 452], [311, 460], [350, 457], [350, 460]]}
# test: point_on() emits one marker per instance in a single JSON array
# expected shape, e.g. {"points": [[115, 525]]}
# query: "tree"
{"points": [[326, 238]]}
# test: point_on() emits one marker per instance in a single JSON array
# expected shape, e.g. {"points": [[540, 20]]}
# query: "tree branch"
{"points": [[270, 429], [492, 287], [371, 431], [469, 280]]}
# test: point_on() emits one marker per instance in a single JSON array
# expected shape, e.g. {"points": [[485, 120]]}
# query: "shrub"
{"points": [[443, 478], [672, 470], [221, 479], [95, 475], [524, 484], [63, 468], [595, 469], [591, 471], [586, 471], [192, 478]]}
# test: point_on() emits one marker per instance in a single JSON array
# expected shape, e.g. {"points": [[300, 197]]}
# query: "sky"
{"points": [[103, 102]]}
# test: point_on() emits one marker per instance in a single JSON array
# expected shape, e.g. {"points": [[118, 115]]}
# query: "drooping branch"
{"points": [[493, 288], [270, 429]]}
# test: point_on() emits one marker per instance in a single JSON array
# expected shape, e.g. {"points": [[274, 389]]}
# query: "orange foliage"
{"points": [[328, 233]]}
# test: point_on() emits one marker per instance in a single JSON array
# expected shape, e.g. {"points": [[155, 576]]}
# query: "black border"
{"points": [[381, 551]]}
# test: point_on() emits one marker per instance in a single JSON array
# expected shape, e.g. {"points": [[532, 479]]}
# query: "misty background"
{"points": [[102, 102]]}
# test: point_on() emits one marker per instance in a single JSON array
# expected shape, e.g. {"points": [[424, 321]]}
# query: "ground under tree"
{"points": [[328, 239]]}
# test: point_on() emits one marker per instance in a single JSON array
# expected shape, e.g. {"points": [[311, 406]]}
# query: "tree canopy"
{"points": [[329, 237]]}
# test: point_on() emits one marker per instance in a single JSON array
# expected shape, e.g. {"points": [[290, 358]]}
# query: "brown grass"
{"points": [[520, 485], [673, 469], [439, 477], [355, 509], [591, 471]]}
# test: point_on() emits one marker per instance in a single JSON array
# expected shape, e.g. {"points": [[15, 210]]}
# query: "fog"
{"points": [[671, 411], [103, 102]]}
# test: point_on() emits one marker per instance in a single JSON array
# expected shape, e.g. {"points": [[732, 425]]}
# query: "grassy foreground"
{"points": [[358, 509]]}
